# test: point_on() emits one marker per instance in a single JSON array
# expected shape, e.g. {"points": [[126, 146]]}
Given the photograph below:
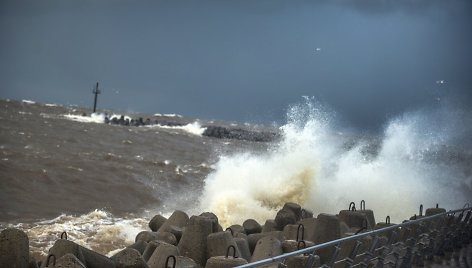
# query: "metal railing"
{"points": [[409, 243]]}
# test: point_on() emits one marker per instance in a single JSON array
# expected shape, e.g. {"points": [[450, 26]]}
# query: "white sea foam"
{"points": [[193, 128], [173, 115], [118, 116], [28, 101], [310, 166], [97, 230], [93, 118]]}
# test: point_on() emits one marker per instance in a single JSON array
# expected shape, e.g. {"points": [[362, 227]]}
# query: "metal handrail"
{"points": [[353, 237]]}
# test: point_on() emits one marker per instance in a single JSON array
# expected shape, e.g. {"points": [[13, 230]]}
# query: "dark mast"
{"points": [[96, 92]]}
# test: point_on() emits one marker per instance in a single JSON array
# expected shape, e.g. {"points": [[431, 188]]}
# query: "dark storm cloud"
{"points": [[239, 60]]}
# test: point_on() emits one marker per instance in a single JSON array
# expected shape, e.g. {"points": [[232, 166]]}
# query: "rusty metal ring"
{"points": [[234, 251], [421, 210], [387, 220], [167, 261], [352, 206], [64, 233], [49, 257], [231, 230], [301, 242], [362, 205]]}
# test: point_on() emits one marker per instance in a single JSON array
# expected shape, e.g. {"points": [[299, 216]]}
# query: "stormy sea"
{"points": [[101, 177]]}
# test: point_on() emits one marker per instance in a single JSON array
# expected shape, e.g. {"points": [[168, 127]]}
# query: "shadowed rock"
{"points": [[251, 226], [284, 217], [239, 134], [156, 222]]}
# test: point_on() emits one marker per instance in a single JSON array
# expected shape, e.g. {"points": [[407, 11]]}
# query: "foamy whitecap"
{"points": [[312, 167], [193, 128], [173, 115], [118, 116], [97, 230], [93, 118], [28, 101]]}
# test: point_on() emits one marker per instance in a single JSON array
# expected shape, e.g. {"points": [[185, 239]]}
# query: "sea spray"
{"points": [[323, 170]]}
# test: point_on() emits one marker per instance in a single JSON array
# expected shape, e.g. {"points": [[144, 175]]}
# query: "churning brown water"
{"points": [[61, 171]]}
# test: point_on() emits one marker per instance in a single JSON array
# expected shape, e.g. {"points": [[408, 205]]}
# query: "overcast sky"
{"points": [[239, 60]]}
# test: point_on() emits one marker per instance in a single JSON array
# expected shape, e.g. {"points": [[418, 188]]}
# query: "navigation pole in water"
{"points": [[96, 92]]}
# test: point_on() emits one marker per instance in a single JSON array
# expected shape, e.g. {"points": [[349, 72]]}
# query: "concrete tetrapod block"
{"points": [[295, 208], [236, 228], [150, 248], [62, 247], [369, 214], [294, 232], [146, 236], [306, 214], [186, 262], [88, 257], [167, 237], [434, 211], [176, 231], [353, 219], [243, 248], [387, 233], [218, 243], [140, 246], [129, 258], [224, 262], [33, 263], [293, 245], [270, 226], [309, 226], [284, 217], [253, 238], [328, 228], [267, 247], [193, 243], [156, 222], [69, 261], [14, 248], [251, 226], [214, 220], [160, 255], [178, 218]]}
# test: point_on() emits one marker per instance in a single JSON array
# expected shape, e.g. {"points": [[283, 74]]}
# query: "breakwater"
{"points": [[201, 241]]}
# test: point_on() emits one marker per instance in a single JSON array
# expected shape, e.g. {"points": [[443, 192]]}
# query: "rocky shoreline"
{"points": [[200, 241]]}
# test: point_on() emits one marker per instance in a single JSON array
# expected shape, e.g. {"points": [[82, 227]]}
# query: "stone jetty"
{"points": [[199, 241]]}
